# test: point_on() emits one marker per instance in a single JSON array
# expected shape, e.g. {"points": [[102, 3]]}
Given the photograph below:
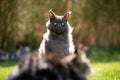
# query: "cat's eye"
{"points": [[55, 23], [62, 23]]}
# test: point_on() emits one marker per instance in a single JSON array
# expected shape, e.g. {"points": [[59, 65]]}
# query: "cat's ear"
{"points": [[51, 14], [67, 15]]}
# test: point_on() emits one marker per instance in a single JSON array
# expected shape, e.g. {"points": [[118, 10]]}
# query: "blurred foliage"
{"points": [[96, 23], [100, 23]]}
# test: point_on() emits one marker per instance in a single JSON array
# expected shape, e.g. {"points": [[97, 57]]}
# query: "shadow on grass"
{"points": [[104, 54], [8, 63]]}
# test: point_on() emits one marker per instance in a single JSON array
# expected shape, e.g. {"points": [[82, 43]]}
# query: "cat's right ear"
{"points": [[51, 14], [67, 15]]}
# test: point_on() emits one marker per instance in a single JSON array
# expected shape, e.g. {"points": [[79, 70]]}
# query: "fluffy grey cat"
{"points": [[58, 38]]}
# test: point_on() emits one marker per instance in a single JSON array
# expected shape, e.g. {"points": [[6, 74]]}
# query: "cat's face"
{"points": [[58, 24]]}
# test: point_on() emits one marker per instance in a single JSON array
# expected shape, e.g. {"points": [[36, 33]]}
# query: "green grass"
{"points": [[5, 69], [105, 64], [105, 71]]}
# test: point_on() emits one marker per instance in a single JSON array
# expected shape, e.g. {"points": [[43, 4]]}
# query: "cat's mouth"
{"points": [[59, 31]]}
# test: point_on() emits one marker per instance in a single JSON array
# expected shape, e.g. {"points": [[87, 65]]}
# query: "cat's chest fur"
{"points": [[60, 44]]}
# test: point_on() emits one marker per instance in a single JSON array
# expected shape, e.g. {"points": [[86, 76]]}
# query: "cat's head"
{"points": [[58, 24]]}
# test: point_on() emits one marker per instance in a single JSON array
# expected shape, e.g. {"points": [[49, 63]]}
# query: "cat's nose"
{"points": [[60, 27]]}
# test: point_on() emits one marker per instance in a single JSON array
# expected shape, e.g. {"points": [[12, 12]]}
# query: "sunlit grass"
{"points": [[105, 64], [105, 71], [5, 69]]}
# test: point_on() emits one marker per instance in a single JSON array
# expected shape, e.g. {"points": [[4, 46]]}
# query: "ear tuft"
{"points": [[67, 15], [69, 12], [51, 14]]}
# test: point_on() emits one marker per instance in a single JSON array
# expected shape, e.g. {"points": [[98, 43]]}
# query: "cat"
{"points": [[79, 63], [58, 38], [51, 67]]}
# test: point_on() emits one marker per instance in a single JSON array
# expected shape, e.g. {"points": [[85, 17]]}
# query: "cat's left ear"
{"points": [[51, 14], [67, 15]]}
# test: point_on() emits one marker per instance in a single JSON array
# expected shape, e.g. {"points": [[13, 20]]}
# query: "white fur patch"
{"points": [[71, 45], [42, 64], [14, 73]]}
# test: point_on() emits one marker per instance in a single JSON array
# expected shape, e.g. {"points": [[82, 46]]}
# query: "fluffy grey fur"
{"points": [[58, 38], [52, 67]]}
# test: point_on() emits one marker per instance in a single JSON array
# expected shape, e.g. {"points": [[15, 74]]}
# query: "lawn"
{"points": [[105, 64], [5, 69], [105, 71]]}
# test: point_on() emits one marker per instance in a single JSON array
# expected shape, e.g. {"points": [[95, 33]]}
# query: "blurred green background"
{"points": [[95, 22]]}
